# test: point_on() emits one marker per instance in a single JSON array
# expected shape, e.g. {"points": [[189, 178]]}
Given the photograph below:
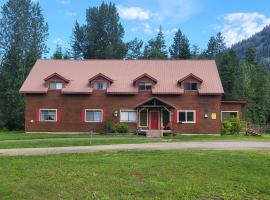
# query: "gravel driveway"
{"points": [[216, 145]]}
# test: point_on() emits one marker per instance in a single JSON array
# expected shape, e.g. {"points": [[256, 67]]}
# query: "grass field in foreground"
{"points": [[138, 175], [20, 140]]}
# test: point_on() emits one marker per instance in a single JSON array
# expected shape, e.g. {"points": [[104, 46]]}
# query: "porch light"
{"points": [[115, 113]]}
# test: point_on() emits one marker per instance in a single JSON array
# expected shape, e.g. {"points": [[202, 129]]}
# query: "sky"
{"points": [[198, 19]]}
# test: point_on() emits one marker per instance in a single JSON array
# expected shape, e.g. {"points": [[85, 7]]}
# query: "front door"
{"points": [[154, 117]]}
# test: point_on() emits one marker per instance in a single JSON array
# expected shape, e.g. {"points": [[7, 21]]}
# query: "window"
{"points": [[128, 116], [55, 86], [145, 86], [190, 86], [100, 85], [228, 114], [143, 115], [93, 115], [186, 116], [48, 115]]}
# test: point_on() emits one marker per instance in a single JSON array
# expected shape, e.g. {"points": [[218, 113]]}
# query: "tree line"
{"points": [[24, 32]]}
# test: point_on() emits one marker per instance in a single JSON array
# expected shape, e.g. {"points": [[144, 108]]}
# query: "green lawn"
{"points": [[19, 140], [138, 175]]}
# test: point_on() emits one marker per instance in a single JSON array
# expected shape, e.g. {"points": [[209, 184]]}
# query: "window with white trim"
{"points": [[100, 85], [55, 85], [48, 115], [93, 115], [145, 86], [128, 116], [228, 114], [186, 116]]}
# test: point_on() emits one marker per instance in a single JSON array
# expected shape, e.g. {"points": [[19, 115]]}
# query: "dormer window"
{"points": [[100, 82], [55, 86], [55, 82], [100, 85], [190, 86], [145, 86]]}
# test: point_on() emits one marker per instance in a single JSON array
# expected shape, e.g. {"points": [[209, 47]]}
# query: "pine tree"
{"points": [[23, 33], [156, 48], [134, 49], [80, 43], [215, 46], [180, 48], [195, 51], [58, 54], [211, 48], [102, 35], [175, 47], [228, 64]]}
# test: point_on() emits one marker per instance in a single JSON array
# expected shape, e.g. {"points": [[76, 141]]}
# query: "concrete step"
{"points": [[154, 134]]}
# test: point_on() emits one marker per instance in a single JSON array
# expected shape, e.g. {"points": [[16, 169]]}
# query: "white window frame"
{"points": [[234, 111], [48, 109], [145, 85], [85, 110], [54, 82], [103, 83], [129, 110], [147, 120], [186, 111]]}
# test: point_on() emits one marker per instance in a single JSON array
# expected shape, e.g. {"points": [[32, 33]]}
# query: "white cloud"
{"points": [[178, 10], [133, 13], [147, 29], [239, 26], [63, 1], [70, 14]]}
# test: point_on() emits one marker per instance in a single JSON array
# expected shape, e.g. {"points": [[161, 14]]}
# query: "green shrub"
{"points": [[236, 125], [121, 128], [226, 127], [109, 128], [231, 126]]}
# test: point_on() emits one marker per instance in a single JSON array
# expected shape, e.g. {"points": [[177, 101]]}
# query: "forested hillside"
{"points": [[260, 41], [24, 32]]}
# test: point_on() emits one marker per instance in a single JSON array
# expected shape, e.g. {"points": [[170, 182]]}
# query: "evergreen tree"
{"points": [[180, 48], [23, 33], [228, 64], [80, 43], [215, 46], [156, 48], [101, 37], [134, 49], [250, 55], [58, 54], [195, 51], [211, 48]]}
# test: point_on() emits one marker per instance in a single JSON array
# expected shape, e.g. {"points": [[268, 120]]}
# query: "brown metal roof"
{"points": [[123, 72]]}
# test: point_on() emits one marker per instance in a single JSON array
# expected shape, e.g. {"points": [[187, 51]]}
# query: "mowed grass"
{"points": [[138, 175], [22, 140]]}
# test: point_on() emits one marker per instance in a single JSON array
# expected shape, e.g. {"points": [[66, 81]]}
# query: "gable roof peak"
{"points": [[188, 76], [100, 75], [145, 75], [58, 75]]}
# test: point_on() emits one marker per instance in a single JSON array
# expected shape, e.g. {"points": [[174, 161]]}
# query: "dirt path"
{"points": [[217, 145]]}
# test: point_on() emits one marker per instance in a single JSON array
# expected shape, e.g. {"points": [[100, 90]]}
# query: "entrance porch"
{"points": [[155, 117]]}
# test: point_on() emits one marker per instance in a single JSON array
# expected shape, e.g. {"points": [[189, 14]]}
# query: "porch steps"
{"points": [[154, 134]]}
